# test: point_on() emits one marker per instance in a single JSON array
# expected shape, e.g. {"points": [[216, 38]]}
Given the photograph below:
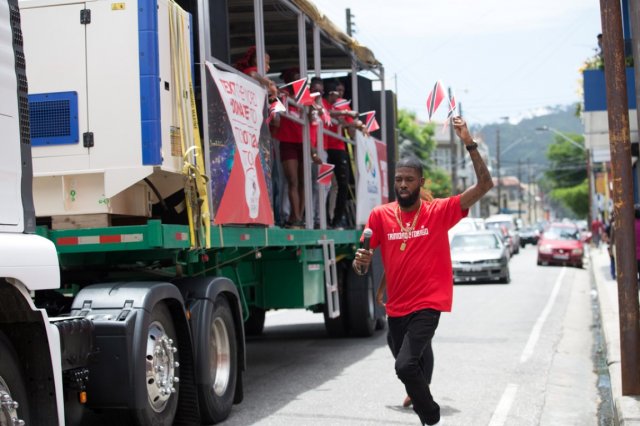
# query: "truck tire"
{"points": [[361, 301], [338, 327], [254, 325], [162, 369], [223, 364], [13, 392]]}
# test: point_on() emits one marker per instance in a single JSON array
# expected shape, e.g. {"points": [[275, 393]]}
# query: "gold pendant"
{"points": [[403, 246]]}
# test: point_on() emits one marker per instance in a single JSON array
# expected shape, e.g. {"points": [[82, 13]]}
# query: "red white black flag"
{"points": [[370, 121], [436, 96]]}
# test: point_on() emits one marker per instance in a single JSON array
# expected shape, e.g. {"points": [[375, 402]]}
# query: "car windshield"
{"points": [[475, 242], [557, 233]]}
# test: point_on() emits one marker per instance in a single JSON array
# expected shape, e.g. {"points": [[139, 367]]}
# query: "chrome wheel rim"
{"points": [[160, 367], [8, 407], [220, 353]]}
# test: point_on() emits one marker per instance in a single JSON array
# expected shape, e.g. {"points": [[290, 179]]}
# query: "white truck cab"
{"points": [[29, 345]]}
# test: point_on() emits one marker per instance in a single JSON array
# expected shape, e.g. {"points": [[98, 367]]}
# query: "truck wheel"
{"points": [[223, 364], [338, 327], [162, 364], [254, 325], [13, 393], [361, 299]]}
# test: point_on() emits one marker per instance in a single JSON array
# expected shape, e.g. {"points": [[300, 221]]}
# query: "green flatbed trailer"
{"points": [[273, 268]]}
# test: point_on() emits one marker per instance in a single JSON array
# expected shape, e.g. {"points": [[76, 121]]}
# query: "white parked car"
{"points": [[498, 220]]}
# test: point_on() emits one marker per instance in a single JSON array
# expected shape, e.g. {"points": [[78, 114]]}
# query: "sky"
{"points": [[502, 58]]}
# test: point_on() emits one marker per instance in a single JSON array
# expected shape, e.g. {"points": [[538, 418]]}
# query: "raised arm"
{"points": [[484, 182]]}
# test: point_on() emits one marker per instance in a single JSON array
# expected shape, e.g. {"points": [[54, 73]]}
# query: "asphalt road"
{"points": [[514, 354]]}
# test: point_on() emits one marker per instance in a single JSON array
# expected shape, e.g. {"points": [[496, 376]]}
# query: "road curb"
{"points": [[626, 408]]}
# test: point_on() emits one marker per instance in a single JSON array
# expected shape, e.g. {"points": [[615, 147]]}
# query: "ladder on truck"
{"points": [[331, 277]]}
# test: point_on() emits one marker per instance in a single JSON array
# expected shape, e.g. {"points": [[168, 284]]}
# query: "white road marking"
{"points": [[502, 410], [537, 328]]}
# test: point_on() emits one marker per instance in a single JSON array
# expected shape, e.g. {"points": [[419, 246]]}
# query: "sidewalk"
{"points": [[627, 408]]}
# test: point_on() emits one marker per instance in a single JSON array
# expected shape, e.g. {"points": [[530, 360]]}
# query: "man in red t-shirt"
{"points": [[413, 238]]}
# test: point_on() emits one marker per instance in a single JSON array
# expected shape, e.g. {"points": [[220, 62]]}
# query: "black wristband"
{"points": [[471, 146]]}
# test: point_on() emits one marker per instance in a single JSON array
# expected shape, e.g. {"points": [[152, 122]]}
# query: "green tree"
{"points": [[567, 174], [417, 140]]}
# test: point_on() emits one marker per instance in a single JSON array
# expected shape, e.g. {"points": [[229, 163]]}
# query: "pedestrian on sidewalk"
{"points": [[596, 231], [413, 237], [609, 237]]}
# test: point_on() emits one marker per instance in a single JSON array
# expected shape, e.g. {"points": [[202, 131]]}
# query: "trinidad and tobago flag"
{"points": [[326, 117], [452, 106], [436, 96], [301, 93], [325, 172], [370, 121], [342, 105], [274, 108], [452, 110]]}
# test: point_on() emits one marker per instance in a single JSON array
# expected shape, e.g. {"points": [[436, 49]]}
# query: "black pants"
{"points": [[340, 159], [410, 337]]}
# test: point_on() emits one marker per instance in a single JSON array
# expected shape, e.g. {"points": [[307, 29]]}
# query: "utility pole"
{"points": [[519, 189], [350, 23], [625, 241], [454, 157], [528, 191], [535, 202], [498, 169]]}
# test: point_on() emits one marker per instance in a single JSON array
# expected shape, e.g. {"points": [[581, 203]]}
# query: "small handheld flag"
{"points": [[301, 93], [325, 173], [274, 108], [436, 96], [342, 105], [370, 121], [452, 110], [326, 117]]}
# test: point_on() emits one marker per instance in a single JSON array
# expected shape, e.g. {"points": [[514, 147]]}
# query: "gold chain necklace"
{"points": [[408, 230]]}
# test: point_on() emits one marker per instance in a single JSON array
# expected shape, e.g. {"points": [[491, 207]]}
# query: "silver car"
{"points": [[479, 256]]}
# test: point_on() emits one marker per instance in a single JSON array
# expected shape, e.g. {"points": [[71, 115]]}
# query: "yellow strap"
{"points": [[196, 184]]}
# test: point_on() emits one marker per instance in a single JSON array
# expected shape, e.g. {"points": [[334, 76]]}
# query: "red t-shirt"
{"points": [[331, 142], [419, 277], [289, 130]]}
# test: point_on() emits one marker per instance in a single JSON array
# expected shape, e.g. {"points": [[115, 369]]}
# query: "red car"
{"points": [[560, 244]]}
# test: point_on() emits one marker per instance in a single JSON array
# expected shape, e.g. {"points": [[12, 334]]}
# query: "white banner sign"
{"points": [[369, 192]]}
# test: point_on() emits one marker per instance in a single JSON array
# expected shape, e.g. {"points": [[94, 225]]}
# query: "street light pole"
{"points": [[498, 169], [498, 165], [519, 188]]}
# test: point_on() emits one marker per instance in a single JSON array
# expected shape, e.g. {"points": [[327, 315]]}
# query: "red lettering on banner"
{"points": [[240, 109], [250, 157], [229, 86], [247, 137]]}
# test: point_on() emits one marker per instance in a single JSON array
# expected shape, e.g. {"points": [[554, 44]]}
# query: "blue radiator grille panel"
{"points": [[53, 118]]}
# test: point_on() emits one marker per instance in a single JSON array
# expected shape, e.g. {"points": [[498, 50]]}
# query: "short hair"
{"points": [[288, 74], [331, 85], [412, 163]]}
